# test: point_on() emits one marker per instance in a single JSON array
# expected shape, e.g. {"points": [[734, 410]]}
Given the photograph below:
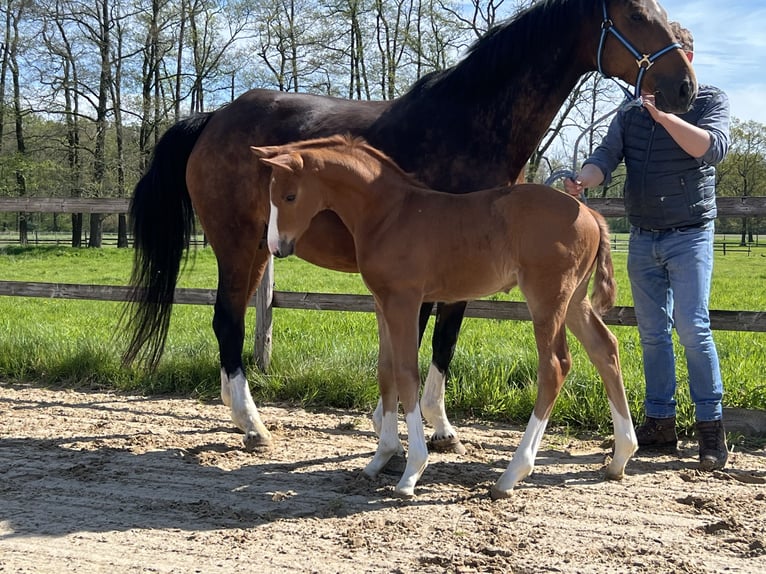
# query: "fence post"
{"points": [[263, 318]]}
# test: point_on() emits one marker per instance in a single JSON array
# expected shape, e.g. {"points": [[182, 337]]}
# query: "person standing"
{"points": [[670, 203]]}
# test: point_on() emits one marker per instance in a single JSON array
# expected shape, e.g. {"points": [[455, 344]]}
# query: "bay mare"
{"points": [[414, 244], [465, 128]]}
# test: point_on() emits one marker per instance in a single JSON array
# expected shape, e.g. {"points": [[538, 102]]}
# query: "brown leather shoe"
{"points": [[657, 434], [712, 441]]}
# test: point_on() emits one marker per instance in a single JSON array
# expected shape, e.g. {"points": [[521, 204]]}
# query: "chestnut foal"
{"points": [[414, 244]]}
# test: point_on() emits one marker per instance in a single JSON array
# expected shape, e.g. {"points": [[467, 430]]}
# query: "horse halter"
{"points": [[644, 61]]}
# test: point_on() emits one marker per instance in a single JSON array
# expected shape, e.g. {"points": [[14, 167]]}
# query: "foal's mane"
{"points": [[507, 46], [350, 146]]}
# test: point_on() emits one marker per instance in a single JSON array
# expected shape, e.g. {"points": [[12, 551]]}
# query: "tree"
{"points": [[743, 172]]}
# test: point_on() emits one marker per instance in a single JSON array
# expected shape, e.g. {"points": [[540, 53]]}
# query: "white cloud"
{"points": [[730, 49]]}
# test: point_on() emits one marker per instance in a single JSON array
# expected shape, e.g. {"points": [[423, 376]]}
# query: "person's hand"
{"points": [[573, 186], [649, 104]]}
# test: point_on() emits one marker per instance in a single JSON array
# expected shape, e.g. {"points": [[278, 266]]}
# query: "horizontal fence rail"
{"points": [[754, 321], [265, 298], [753, 206], [64, 204]]}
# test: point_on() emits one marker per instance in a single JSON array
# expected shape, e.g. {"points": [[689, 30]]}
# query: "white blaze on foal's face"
{"points": [[273, 234]]}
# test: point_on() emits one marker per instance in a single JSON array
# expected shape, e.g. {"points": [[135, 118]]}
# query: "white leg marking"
{"points": [[625, 444], [417, 454], [523, 462], [377, 423], [243, 410], [377, 417], [432, 404], [225, 390], [273, 234], [388, 444]]}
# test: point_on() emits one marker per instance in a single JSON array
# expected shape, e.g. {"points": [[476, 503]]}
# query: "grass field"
{"points": [[328, 358]]}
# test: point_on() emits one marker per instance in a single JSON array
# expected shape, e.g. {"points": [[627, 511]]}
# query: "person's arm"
{"points": [[598, 168], [693, 140], [589, 176]]}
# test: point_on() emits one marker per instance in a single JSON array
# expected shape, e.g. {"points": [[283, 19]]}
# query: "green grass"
{"points": [[329, 358]]}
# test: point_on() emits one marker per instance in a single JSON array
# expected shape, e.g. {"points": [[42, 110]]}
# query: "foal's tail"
{"points": [[162, 222], [604, 286]]}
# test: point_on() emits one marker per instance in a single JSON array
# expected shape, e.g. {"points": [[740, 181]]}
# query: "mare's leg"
{"points": [[449, 318], [601, 345], [398, 375], [236, 284], [230, 195], [554, 362]]}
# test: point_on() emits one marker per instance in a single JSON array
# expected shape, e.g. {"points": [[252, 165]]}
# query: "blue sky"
{"points": [[729, 49]]}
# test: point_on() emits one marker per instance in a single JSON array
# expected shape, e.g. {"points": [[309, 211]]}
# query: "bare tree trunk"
{"points": [[103, 40], [21, 148]]}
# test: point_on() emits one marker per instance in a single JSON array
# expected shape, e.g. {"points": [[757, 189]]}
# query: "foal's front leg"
{"points": [[398, 375], [448, 321], [385, 419]]}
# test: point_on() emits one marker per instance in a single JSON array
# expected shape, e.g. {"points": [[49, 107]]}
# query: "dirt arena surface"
{"points": [[99, 482]]}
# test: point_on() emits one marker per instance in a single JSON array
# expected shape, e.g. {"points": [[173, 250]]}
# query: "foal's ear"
{"points": [[291, 162], [265, 151]]}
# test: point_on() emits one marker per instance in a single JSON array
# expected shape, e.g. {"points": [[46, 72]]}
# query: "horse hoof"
{"points": [[614, 475], [497, 494], [395, 465], [447, 444], [404, 495], [255, 442]]}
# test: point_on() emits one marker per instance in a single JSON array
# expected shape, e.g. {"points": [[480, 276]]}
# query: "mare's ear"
{"points": [[291, 162]]}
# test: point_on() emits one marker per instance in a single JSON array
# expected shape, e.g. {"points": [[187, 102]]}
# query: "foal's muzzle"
{"points": [[283, 248]]}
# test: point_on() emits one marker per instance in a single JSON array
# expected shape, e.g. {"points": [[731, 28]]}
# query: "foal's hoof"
{"points": [[614, 474], [446, 444], [255, 442], [404, 494], [497, 494]]}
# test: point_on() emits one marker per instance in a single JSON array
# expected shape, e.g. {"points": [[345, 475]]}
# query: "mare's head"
{"points": [[637, 45]]}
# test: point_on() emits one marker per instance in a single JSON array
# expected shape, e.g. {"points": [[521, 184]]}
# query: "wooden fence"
{"points": [[266, 299]]}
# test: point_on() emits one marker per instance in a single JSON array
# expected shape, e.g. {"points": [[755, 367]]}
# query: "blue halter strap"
{"points": [[644, 61]]}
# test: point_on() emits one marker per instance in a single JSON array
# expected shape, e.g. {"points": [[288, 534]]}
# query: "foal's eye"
{"points": [[290, 198], [637, 17]]}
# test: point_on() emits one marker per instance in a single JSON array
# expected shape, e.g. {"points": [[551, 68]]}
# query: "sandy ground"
{"points": [[98, 482]]}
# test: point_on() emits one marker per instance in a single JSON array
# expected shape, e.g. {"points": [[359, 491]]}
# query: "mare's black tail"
{"points": [[162, 221]]}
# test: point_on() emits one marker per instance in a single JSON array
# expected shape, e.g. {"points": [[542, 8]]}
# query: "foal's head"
{"points": [[306, 177], [293, 204]]}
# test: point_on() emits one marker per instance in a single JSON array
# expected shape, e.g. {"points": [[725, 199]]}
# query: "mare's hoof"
{"points": [[497, 494], [255, 442], [446, 444]]}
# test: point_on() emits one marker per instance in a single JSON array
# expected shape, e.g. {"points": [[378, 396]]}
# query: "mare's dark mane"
{"points": [[506, 48]]}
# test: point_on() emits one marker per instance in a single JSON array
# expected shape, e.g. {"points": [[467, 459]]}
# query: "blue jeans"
{"points": [[670, 273]]}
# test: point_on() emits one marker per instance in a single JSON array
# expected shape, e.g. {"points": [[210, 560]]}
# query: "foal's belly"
{"points": [[467, 286]]}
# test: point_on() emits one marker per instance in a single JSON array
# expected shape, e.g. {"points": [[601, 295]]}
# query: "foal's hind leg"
{"points": [[554, 362], [601, 346]]}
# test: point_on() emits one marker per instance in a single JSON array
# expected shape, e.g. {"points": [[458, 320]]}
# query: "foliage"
{"points": [[329, 358]]}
